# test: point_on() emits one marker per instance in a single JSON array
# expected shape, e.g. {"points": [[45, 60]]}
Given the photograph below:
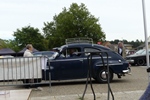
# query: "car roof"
{"points": [[86, 45]]}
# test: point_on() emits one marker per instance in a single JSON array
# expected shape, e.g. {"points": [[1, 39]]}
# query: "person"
{"points": [[108, 45], [72, 53], [28, 53], [121, 49], [146, 94]]}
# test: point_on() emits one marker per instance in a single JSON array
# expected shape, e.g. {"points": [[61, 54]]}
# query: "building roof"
{"points": [[127, 45], [6, 51]]}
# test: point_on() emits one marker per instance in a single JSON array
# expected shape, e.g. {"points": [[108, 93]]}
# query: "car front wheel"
{"points": [[141, 62], [102, 77]]}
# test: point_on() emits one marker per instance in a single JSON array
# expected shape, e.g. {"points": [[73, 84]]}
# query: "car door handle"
{"points": [[80, 60]]}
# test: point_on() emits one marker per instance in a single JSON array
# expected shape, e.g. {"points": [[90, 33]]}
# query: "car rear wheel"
{"points": [[141, 62], [102, 77]]}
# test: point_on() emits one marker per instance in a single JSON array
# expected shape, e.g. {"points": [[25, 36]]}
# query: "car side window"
{"points": [[90, 50], [94, 50], [71, 52]]}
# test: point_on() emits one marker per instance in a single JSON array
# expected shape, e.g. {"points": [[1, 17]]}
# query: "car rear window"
{"points": [[90, 50], [111, 54]]}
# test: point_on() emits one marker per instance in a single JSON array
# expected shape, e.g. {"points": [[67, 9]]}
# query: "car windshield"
{"points": [[142, 51], [61, 48]]}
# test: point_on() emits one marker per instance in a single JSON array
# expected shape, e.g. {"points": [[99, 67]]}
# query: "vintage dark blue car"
{"points": [[71, 62]]}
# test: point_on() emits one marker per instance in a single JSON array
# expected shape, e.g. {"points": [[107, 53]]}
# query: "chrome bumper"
{"points": [[127, 71], [131, 61]]}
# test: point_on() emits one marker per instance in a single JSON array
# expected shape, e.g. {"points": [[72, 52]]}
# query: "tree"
{"points": [[2, 44], [29, 35], [137, 43], [115, 41], [11, 44], [134, 44], [125, 41], [73, 22]]}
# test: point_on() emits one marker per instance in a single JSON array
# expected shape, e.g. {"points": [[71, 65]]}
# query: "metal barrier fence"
{"points": [[24, 71]]}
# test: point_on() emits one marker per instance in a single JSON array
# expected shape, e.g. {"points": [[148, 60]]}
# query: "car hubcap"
{"points": [[141, 62], [103, 75]]}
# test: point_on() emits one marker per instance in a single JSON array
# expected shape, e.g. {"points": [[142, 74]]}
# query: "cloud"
{"points": [[118, 18], [6, 35]]}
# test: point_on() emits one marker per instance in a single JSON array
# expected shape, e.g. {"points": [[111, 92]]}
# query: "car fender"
{"points": [[98, 65]]}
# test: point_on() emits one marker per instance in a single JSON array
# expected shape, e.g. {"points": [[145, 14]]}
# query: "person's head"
{"points": [[72, 51], [120, 44], [29, 47], [107, 44]]}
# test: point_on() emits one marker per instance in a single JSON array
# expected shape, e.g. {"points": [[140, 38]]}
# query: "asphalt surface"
{"points": [[129, 87]]}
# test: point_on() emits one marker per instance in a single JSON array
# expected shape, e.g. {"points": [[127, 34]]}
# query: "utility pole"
{"points": [[146, 37]]}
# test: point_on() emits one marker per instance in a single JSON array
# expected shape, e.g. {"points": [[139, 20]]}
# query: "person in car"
{"points": [[72, 53]]}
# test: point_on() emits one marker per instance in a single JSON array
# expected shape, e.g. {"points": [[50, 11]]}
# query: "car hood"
{"points": [[134, 55]]}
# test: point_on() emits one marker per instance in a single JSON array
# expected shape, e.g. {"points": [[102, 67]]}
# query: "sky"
{"points": [[119, 19]]}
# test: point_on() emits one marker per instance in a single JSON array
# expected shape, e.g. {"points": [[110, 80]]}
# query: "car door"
{"points": [[95, 58], [71, 67], [116, 62]]}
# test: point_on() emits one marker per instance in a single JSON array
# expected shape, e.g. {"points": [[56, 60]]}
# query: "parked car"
{"points": [[64, 67], [130, 52], [44, 53], [6, 56], [138, 58]]}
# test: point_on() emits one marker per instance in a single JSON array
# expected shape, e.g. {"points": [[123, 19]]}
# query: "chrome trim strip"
{"points": [[130, 61], [72, 59], [67, 59], [110, 64]]}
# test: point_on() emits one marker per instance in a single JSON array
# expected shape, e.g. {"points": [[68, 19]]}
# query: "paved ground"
{"points": [[130, 87], [128, 95], [15, 94]]}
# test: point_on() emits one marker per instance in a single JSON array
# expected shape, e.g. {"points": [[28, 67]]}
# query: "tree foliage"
{"points": [[73, 22], [2, 44], [135, 44], [12, 44], [29, 35]]}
